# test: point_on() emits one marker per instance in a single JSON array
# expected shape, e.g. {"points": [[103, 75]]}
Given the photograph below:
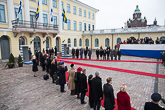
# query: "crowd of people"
{"points": [[102, 54], [146, 40], [77, 84]]}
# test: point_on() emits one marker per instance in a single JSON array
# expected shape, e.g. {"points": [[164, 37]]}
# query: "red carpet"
{"points": [[110, 60], [102, 102], [117, 69]]}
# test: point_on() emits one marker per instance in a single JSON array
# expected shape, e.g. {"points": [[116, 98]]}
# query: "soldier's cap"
{"points": [[156, 97], [62, 62]]}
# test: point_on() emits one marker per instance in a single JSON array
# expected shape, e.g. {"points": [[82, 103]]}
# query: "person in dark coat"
{"points": [[97, 53], [89, 53], [104, 55], [67, 49], [30, 54], [101, 53], [43, 51], [108, 52], [91, 100], [77, 82], [34, 67], [119, 54], [55, 48], [115, 53], [97, 91], [53, 70], [48, 63], [157, 41], [83, 86], [62, 77], [73, 53], [77, 53], [43, 61], [85, 53], [123, 99], [108, 48], [109, 101], [111, 54], [81, 53], [47, 51], [154, 104]]}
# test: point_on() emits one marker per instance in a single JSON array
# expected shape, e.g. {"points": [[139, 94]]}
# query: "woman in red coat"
{"points": [[123, 99]]}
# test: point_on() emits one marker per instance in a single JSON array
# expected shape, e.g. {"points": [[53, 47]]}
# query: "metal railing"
{"points": [[34, 25], [127, 30]]}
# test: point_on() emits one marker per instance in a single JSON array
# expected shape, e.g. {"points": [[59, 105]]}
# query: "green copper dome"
{"points": [[137, 10]]}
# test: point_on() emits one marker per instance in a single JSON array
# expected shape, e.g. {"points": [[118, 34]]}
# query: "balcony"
{"points": [[126, 30], [34, 27]]}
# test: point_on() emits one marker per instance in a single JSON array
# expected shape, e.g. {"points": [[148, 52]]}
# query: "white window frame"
{"points": [[95, 43], [5, 14], [104, 41]]}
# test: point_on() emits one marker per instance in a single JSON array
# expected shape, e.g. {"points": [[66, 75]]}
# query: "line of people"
{"points": [[81, 52]]}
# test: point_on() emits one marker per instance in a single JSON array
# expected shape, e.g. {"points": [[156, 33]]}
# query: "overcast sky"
{"points": [[113, 13]]}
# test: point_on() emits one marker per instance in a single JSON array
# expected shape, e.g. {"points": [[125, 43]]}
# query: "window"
{"points": [[85, 27], [96, 42], [80, 26], [45, 20], [75, 42], [21, 41], [89, 27], [74, 24], [47, 42], [69, 42], [93, 27], [2, 13], [68, 8], [55, 21], [80, 12], [86, 42], [118, 40], [89, 15], [80, 42], [106, 42], [74, 10], [20, 15], [62, 5], [44, 2], [54, 3], [93, 17], [84, 13], [68, 24]]}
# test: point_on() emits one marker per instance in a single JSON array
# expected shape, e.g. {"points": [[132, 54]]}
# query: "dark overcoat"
{"points": [[91, 100], [34, 67], [97, 52], [78, 84], [109, 100], [152, 106], [61, 74], [77, 52], [97, 89], [83, 83], [73, 51]]}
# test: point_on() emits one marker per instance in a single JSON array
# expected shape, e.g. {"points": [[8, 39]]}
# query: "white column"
{"points": [[50, 7], [40, 13], [26, 10], [11, 14], [59, 16]]}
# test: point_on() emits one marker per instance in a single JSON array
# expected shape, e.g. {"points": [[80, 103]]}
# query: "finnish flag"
{"points": [[19, 10]]}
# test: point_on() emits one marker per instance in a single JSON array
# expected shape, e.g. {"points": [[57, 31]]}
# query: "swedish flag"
{"points": [[64, 16], [37, 12]]}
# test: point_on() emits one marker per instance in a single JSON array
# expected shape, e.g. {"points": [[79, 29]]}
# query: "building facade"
{"points": [[43, 33]]}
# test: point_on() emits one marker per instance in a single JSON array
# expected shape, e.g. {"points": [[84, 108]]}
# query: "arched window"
{"points": [[47, 42], [37, 43], [107, 42], [86, 42], [118, 40], [75, 42], [21, 41], [69, 42], [80, 42], [96, 42]]}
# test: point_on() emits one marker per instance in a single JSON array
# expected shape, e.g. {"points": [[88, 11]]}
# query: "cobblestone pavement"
{"points": [[19, 90]]}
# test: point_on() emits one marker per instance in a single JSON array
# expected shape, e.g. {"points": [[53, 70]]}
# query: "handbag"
{"points": [[75, 78]]}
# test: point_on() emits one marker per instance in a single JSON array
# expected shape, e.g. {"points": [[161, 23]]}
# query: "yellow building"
{"points": [[79, 31], [42, 33]]}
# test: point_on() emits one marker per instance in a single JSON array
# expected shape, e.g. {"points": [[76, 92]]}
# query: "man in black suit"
{"points": [[111, 54], [97, 53], [119, 54], [108, 52], [109, 102], [77, 53], [115, 53], [104, 55], [89, 53], [97, 91], [73, 52], [83, 86], [85, 53]]}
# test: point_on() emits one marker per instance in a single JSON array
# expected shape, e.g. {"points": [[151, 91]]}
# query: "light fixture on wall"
{"points": [[32, 41], [44, 41], [63, 41]]}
